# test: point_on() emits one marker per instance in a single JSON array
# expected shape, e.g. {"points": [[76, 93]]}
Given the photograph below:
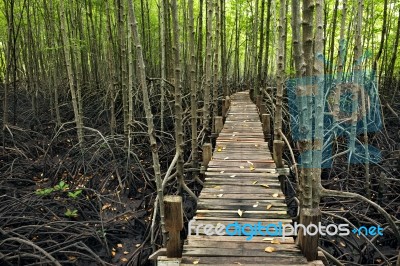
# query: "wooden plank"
{"points": [[288, 260]]}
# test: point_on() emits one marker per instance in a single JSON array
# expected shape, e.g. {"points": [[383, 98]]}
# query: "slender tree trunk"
{"points": [[216, 57], [207, 88], [75, 104], [267, 40], [149, 118]]}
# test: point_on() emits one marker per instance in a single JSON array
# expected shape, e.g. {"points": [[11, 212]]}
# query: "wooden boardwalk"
{"points": [[241, 185]]}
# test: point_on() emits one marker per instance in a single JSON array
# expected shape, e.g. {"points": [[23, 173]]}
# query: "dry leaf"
{"points": [[269, 206], [342, 244], [126, 252], [220, 195], [255, 182], [137, 245], [226, 158], [72, 258], [222, 172], [268, 239], [255, 205], [264, 185], [217, 187], [241, 167], [113, 253], [196, 262], [105, 206], [240, 212], [124, 259], [275, 241], [219, 149], [252, 168], [233, 175], [269, 249], [275, 195]]}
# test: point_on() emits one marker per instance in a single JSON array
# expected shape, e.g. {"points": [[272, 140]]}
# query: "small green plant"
{"points": [[75, 194], [44, 191], [71, 213], [61, 186]]}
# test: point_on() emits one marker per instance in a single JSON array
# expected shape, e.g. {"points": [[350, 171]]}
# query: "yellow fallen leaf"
{"points": [[275, 241], [196, 262], [222, 172], [219, 149], [240, 212], [275, 195], [126, 252], [342, 244], [264, 185], [105, 206], [255, 205], [255, 182], [119, 245], [233, 175], [241, 167], [217, 187], [220, 195], [249, 162], [268, 239], [137, 245], [113, 253], [269, 206], [124, 259], [269, 249], [252, 168], [72, 258], [226, 158]]}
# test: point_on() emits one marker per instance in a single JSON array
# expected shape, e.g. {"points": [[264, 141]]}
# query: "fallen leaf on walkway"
{"points": [[240, 212], [275, 241], [196, 262], [264, 185], [126, 252], [217, 187], [252, 168], [220, 195], [222, 172], [268, 239], [255, 205], [233, 175], [124, 259], [275, 195], [241, 167], [219, 149], [119, 245], [269, 206], [226, 158], [269, 249], [255, 182], [249, 162]]}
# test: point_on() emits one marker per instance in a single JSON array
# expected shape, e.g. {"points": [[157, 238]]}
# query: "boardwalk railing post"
{"points": [[224, 108], [266, 125], [207, 154], [278, 150], [309, 243], [258, 101], [263, 109], [173, 224], [218, 120]]}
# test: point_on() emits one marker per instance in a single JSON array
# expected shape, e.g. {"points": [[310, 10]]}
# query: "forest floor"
{"points": [[61, 202]]}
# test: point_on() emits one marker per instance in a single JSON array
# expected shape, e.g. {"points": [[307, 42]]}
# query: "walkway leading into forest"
{"points": [[241, 185]]}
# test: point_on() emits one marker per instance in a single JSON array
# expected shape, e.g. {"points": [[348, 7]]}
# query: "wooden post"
{"points": [[278, 150], [309, 243], [266, 125], [207, 153], [224, 110], [263, 109], [173, 224], [218, 120], [258, 101]]}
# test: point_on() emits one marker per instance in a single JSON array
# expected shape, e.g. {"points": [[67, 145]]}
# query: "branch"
{"points": [[334, 193]]}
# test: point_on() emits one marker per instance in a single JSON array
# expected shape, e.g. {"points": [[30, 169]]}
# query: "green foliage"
{"points": [[61, 186], [75, 194], [71, 213], [44, 191]]}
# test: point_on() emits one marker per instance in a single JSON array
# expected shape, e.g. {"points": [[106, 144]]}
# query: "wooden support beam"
{"points": [[309, 243], [207, 154], [266, 125], [224, 110], [263, 109], [278, 151], [173, 224], [218, 120]]}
